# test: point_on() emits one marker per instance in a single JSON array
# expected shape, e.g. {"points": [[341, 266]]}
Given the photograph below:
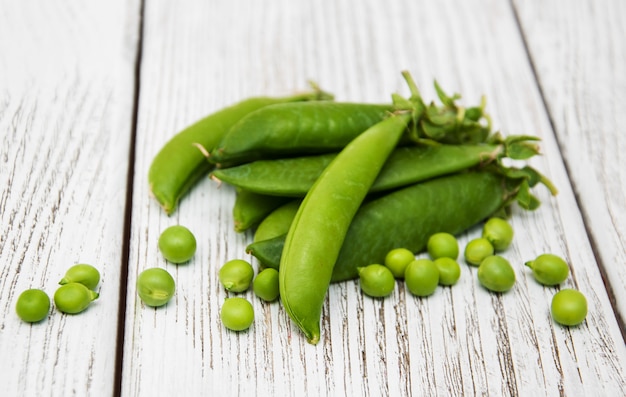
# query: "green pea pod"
{"points": [[408, 217], [320, 225], [277, 222], [180, 163], [293, 177], [296, 128], [251, 208]]}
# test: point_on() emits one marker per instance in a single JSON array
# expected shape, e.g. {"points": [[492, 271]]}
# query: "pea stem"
{"points": [[415, 93]]}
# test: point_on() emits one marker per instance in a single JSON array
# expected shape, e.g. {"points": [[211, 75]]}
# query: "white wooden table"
{"points": [[90, 91]]}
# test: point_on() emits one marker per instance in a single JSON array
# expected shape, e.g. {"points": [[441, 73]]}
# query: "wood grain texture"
{"points": [[66, 114], [579, 53], [200, 56], [66, 98]]}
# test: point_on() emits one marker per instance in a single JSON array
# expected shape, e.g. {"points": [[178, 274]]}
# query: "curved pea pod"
{"points": [[408, 217], [180, 163], [268, 252], [277, 222], [322, 221], [293, 177], [251, 208], [296, 128]]}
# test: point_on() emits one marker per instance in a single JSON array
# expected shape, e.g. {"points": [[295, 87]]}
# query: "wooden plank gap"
{"points": [[128, 206], [585, 215]]}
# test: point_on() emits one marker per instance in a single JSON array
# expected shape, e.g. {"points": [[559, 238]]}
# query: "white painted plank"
{"points": [[579, 51], [198, 58], [66, 100]]}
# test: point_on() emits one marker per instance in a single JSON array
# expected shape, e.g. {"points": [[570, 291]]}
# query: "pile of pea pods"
{"points": [[331, 187]]}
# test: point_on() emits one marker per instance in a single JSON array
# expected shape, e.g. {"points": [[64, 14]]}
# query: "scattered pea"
{"points": [[82, 273], [496, 274], [155, 286], [569, 307], [549, 269], [73, 298], [421, 277], [237, 314], [449, 270], [33, 305], [397, 260], [265, 285], [376, 280], [499, 233], [177, 244], [236, 275], [442, 245], [477, 250]]}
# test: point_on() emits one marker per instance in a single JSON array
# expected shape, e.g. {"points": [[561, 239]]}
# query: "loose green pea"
{"points": [[477, 250], [496, 274], [421, 277], [265, 285], [82, 273], [397, 260], [569, 307], [155, 286], [33, 305], [237, 314], [499, 233], [449, 270], [177, 244], [442, 245], [549, 269], [376, 280], [73, 298], [236, 275]]}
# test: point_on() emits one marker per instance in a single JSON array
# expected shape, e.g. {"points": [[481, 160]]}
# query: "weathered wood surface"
{"points": [[578, 49], [67, 97], [66, 109]]}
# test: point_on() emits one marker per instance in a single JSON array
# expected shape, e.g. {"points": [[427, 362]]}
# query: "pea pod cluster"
{"points": [[320, 180], [181, 162]]}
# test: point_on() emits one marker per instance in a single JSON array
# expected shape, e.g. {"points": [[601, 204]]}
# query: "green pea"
{"points": [[499, 233], [237, 314], [82, 273], [421, 277], [397, 260], [449, 270], [496, 274], [442, 245], [265, 285], [33, 305], [73, 298], [155, 286], [549, 269], [569, 307], [177, 244], [236, 275], [477, 250], [376, 280]]}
